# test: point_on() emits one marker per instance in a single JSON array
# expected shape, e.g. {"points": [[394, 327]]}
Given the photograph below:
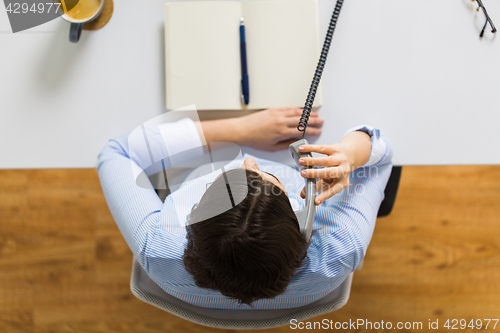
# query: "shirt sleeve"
{"points": [[347, 220], [123, 167], [379, 144]]}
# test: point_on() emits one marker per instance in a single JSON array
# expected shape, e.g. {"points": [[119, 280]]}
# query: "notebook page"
{"points": [[283, 50], [202, 55]]}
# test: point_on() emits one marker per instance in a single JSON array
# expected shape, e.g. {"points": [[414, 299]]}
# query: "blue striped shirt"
{"points": [[155, 230]]}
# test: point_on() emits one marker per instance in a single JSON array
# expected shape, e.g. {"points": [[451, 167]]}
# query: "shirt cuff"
{"points": [[379, 146], [179, 137]]}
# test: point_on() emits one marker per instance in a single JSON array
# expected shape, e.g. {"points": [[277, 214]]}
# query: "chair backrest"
{"points": [[148, 291]]}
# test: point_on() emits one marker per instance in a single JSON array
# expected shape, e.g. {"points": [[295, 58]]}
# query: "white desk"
{"points": [[415, 69]]}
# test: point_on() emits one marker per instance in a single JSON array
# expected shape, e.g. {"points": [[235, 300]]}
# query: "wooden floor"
{"points": [[64, 266]]}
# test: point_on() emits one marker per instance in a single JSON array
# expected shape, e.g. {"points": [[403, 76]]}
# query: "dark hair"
{"points": [[250, 251]]}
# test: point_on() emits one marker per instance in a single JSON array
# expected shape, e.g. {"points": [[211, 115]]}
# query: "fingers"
{"points": [[331, 190], [312, 122], [320, 184], [313, 131], [315, 122], [313, 126], [294, 112], [297, 112], [328, 173], [327, 190], [293, 117], [290, 133], [328, 161], [322, 149]]}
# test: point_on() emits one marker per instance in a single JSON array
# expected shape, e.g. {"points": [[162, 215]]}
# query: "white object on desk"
{"points": [[416, 70], [203, 53]]}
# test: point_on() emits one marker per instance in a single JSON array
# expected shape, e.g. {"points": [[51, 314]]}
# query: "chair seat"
{"points": [[148, 291]]}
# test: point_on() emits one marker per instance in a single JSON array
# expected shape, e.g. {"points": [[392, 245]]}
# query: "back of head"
{"points": [[250, 251]]}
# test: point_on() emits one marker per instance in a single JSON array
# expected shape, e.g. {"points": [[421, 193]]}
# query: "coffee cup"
{"points": [[78, 12]]}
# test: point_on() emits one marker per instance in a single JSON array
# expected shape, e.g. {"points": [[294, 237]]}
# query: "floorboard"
{"points": [[64, 266]]}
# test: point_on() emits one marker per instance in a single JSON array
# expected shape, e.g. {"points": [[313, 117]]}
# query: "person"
{"points": [[250, 255]]}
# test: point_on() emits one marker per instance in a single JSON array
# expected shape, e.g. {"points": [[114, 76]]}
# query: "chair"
{"points": [[390, 191], [148, 291]]}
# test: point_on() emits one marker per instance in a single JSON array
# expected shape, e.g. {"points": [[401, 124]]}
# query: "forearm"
{"points": [[222, 130], [270, 130], [358, 146]]}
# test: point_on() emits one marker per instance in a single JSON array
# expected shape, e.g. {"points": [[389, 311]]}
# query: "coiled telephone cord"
{"points": [[304, 118]]}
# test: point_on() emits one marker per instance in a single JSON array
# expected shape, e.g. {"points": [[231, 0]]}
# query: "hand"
{"points": [[335, 176], [276, 129]]}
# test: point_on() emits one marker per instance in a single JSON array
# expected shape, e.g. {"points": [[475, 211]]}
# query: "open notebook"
{"points": [[203, 53]]}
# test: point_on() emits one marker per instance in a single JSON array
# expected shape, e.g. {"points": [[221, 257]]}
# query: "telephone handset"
{"points": [[306, 216]]}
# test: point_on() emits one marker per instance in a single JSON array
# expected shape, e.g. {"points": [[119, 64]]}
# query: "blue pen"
{"points": [[244, 70]]}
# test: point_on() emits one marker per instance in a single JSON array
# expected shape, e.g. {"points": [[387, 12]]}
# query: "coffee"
{"points": [[80, 10]]}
